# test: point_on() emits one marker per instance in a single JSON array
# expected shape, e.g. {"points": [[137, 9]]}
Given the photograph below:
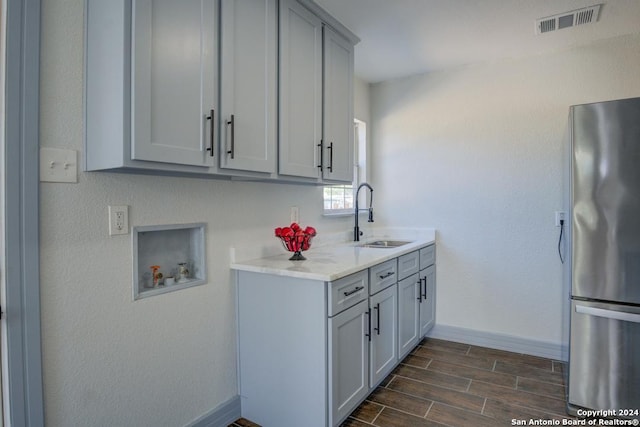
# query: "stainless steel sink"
{"points": [[384, 244]]}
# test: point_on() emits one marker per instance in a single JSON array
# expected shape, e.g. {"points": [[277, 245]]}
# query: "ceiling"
{"points": [[405, 37]]}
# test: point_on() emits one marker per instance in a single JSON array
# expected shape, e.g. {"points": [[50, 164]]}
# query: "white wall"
{"points": [[161, 361], [362, 103], [476, 152]]}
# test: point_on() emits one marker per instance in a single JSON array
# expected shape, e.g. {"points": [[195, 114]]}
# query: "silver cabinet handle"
{"points": [[609, 314], [233, 138], [358, 288]]}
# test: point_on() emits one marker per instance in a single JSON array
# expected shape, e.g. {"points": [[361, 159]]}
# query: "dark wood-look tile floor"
{"points": [[443, 383]]}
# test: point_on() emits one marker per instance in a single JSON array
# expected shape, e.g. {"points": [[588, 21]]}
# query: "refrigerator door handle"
{"points": [[609, 314]]}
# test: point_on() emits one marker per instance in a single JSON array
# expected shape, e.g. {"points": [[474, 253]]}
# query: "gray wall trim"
{"points": [[24, 355], [222, 416], [500, 341]]}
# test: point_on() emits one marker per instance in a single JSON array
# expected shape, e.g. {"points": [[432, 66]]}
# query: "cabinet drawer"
{"points": [[348, 291], [382, 276], [427, 256], [408, 264]]}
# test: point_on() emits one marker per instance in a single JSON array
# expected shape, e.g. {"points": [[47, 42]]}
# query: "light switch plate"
{"points": [[295, 214], [58, 165]]}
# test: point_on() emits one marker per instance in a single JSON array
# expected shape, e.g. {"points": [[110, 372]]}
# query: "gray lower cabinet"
{"points": [[383, 348], [348, 360], [416, 297], [427, 298], [310, 352], [408, 314]]}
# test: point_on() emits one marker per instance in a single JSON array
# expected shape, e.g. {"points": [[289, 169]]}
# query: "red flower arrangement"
{"points": [[295, 239]]}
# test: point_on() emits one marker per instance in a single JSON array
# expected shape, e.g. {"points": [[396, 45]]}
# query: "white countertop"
{"points": [[333, 261]]}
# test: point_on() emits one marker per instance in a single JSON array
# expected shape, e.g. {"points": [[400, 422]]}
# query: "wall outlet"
{"points": [[295, 214], [118, 220], [560, 216]]}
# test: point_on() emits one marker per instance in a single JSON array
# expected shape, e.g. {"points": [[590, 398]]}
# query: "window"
{"points": [[338, 199]]}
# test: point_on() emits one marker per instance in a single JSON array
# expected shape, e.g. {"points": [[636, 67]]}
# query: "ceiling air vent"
{"points": [[585, 15]]}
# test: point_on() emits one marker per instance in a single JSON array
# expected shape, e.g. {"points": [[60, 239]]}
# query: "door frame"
{"points": [[22, 367]]}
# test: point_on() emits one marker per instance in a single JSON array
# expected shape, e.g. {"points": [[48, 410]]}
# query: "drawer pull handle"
{"points": [[357, 289], [391, 273]]}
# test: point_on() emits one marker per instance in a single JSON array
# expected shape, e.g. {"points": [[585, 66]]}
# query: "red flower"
{"points": [[294, 237], [307, 242]]}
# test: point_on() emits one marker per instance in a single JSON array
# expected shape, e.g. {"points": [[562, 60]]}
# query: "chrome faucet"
{"points": [[356, 229]]}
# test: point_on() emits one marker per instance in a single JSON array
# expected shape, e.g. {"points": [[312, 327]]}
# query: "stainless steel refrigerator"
{"points": [[603, 259]]}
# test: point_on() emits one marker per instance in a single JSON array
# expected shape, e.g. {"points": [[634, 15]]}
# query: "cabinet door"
{"points": [[383, 351], [428, 304], [338, 128], [408, 314], [173, 85], [248, 85], [300, 113], [348, 360]]}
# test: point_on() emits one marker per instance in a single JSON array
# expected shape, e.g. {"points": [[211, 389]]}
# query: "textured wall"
{"points": [[476, 152], [161, 361], [477, 149]]}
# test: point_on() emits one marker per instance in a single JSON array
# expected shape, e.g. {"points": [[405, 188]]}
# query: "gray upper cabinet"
{"points": [[300, 91], [200, 87], [338, 129], [248, 64], [150, 85], [174, 81], [316, 97]]}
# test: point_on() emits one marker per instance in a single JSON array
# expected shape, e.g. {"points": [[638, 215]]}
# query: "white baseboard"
{"points": [[500, 342], [222, 416]]}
